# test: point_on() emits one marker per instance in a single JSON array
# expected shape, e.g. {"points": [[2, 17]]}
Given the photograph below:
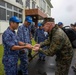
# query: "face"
{"points": [[72, 27], [14, 25], [61, 26], [27, 23], [48, 26], [75, 28], [41, 27]]}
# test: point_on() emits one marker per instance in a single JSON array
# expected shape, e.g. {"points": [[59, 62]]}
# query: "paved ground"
{"points": [[71, 72], [37, 67]]}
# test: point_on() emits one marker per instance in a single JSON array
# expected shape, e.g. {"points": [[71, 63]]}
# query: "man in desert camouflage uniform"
{"points": [[59, 45]]}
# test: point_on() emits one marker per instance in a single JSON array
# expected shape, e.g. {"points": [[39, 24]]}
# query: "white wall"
{"points": [[3, 26]]}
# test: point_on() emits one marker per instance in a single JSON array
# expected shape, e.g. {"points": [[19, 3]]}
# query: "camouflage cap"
{"points": [[47, 20]]}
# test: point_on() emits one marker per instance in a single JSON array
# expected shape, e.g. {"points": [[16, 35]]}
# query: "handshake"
{"points": [[34, 48]]}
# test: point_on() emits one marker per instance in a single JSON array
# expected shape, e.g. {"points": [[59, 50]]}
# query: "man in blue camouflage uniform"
{"points": [[60, 25], [12, 45], [40, 37], [32, 29], [24, 36], [59, 45]]}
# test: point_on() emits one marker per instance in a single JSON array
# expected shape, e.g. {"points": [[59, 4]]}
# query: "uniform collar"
{"points": [[25, 26], [11, 30]]}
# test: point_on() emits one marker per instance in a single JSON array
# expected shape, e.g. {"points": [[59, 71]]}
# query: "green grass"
{"points": [[1, 54], [33, 43], [1, 65]]}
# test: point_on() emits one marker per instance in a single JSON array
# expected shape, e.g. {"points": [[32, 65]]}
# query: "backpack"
{"points": [[71, 35]]}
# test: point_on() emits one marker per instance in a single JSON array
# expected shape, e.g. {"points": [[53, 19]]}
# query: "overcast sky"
{"points": [[64, 11]]}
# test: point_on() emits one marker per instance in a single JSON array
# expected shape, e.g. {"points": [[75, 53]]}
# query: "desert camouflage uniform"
{"points": [[61, 47]]}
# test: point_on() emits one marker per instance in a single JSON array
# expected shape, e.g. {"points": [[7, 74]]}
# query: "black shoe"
{"points": [[30, 58], [39, 58], [29, 55], [44, 73], [19, 72], [43, 59], [74, 68]]}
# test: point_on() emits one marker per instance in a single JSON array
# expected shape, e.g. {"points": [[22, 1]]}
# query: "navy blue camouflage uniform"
{"points": [[10, 57], [24, 36], [40, 37]]}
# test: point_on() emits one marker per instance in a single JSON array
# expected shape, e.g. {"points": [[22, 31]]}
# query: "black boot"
{"points": [[44, 73], [39, 58], [74, 68], [19, 72], [29, 55], [43, 59]]}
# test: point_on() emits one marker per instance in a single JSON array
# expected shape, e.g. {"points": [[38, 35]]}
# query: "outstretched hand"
{"points": [[29, 46], [36, 47]]}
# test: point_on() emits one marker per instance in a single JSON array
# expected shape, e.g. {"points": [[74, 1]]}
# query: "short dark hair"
{"points": [[47, 20], [74, 24], [71, 24]]}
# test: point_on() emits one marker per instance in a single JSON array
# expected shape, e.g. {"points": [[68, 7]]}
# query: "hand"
{"points": [[35, 48], [37, 45], [29, 46]]}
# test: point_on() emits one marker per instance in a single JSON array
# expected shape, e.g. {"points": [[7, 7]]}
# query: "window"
{"points": [[27, 3], [9, 14], [19, 1], [2, 3], [15, 8], [20, 10], [40, 3], [2, 14], [9, 6], [33, 4], [15, 14], [49, 10], [20, 17], [9, 11], [44, 6]]}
